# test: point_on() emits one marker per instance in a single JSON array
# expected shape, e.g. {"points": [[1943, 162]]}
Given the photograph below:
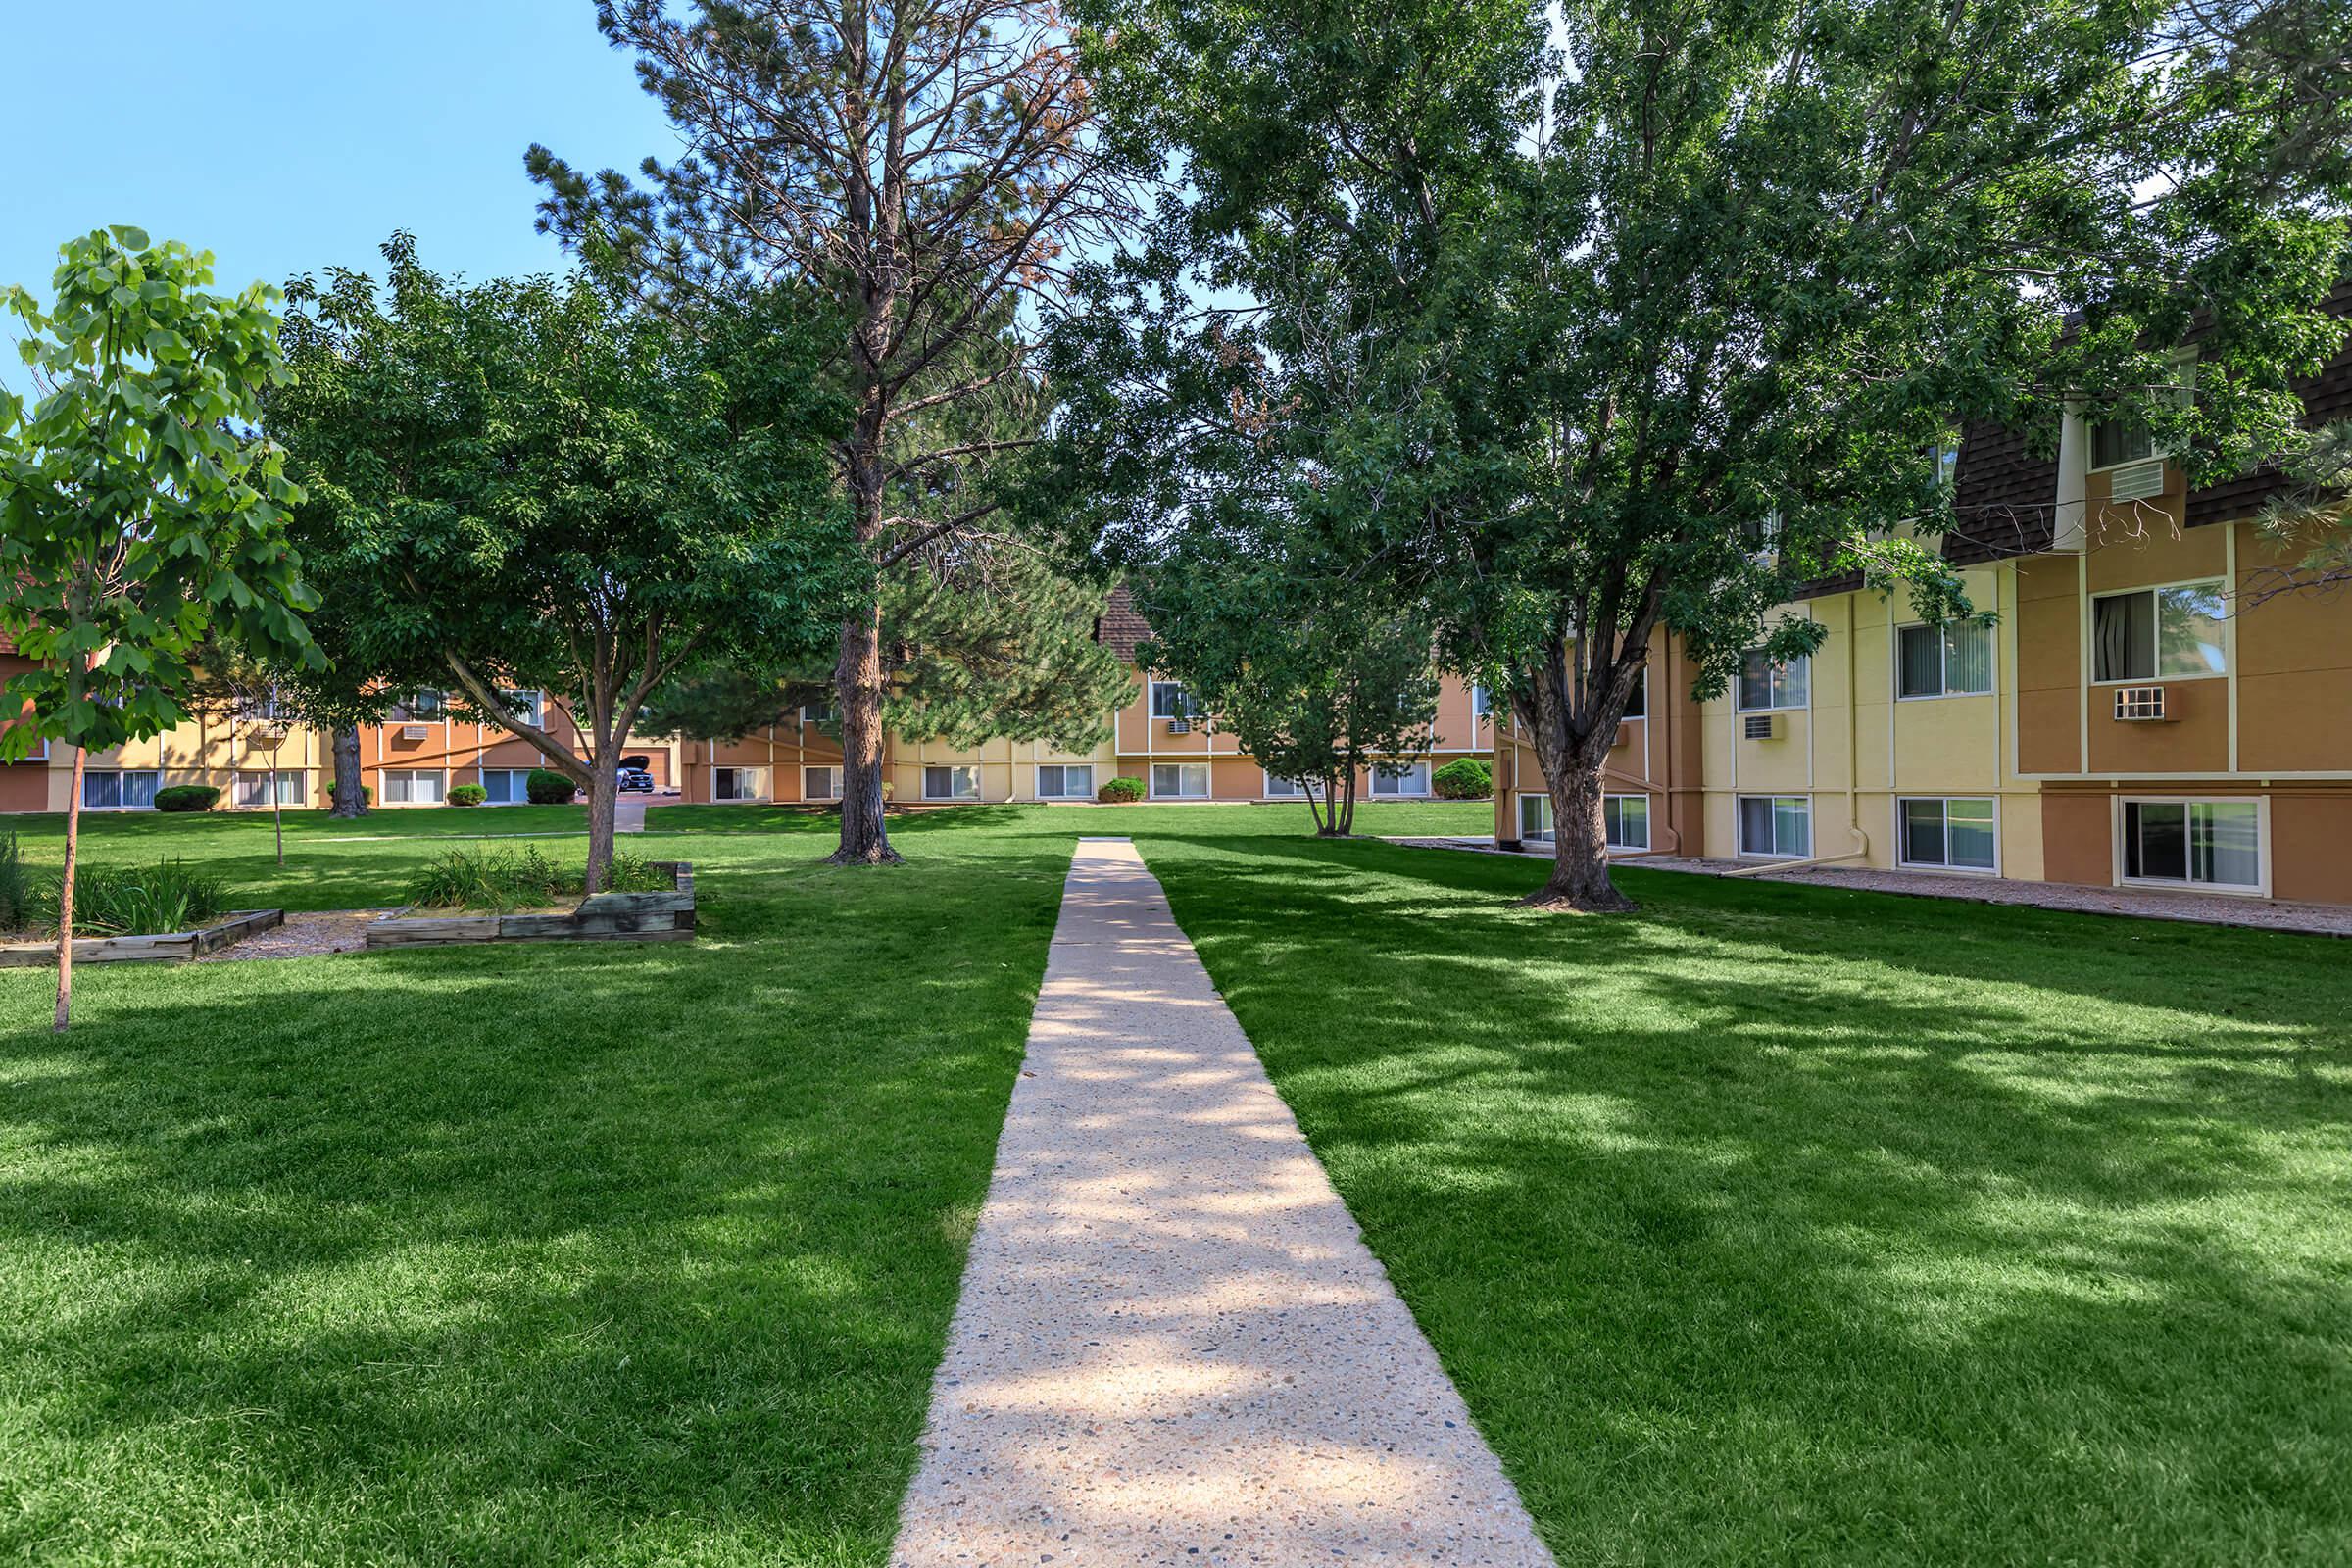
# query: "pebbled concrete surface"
{"points": [[1172, 1345]]}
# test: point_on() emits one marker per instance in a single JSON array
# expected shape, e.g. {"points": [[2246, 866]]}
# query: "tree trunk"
{"points": [[65, 899], [351, 790], [603, 793], [1330, 824], [858, 694], [1572, 771], [1347, 805]]}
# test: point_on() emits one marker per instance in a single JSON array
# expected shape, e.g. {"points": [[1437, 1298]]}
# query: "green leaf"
{"points": [[129, 236]]}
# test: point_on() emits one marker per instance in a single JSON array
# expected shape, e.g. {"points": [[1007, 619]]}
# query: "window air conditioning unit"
{"points": [[1180, 726], [1761, 726], [2137, 481], [413, 732], [2141, 704]]}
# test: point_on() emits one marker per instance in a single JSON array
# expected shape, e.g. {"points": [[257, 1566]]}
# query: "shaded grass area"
{"points": [[1785, 1224], [549, 1255]]}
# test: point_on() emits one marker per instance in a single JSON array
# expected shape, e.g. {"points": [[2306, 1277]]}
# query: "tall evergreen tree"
{"points": [[927, 168]]}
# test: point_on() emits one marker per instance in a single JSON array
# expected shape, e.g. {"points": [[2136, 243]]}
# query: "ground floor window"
{"points": [[411, 786], [1535, 818], [506, 786], [1065, 781], [739, 783], [821, 783], [120, 790], [951, 783], [1952, 831], [1179, 781], [1776, 825], [1412, 778], [2193, 842], [252, 787], [1292, 789], [1625, 821]]}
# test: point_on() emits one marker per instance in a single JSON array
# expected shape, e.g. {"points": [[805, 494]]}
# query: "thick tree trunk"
{"points": [[603, 793], [65, 899], [351, 790], [1572, 770], [857, 695]]}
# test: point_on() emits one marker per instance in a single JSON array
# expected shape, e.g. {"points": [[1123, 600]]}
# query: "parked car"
{"points": [[635, 781]]}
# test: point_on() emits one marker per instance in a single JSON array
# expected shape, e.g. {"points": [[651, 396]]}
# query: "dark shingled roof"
{"points": [[2327, 396], [1119, 628], [2003, 497]]}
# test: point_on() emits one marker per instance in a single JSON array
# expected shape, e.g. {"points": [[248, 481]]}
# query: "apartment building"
{"points": [[2149, 710], [1156, 735]]}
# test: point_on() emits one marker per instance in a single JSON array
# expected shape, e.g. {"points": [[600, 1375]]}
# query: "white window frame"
{"points": [[1037, 781], [386, 777], [760, 777], [1903, 843], [118, 774], [951, 770], [1537, 797], [1183, 702], [816, 712], [534, 712], [1943, 671], [1384, 773], [832, 789], [1739, 828], [1208, 782], [1298, 789], [2261, 889], [263, 776], [520, 791], [2090, 628], [1642, 848], [1777, 706], [405, 712]]}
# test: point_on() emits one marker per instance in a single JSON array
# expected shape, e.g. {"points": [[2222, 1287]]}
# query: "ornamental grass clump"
{"points": [[135, 901], [501, 880]]}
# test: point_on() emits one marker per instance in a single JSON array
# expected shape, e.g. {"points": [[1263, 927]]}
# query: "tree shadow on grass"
{"points": [[505, 1255], [1765, 1228]]}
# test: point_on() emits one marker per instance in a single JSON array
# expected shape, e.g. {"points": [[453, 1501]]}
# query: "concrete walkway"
{"points": [[1173, 1347], [628, 813]]}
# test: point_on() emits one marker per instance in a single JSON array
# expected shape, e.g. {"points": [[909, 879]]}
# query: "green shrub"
{"points": [[1120, 789], [123, 901], [467, 795], [20, 894], [463, 877], [186, 798], [367, 795], [634, 874], [546, 787], [1465, 778]]}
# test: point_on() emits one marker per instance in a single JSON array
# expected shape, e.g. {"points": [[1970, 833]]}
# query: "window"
{"points": [[2193, 842], [1065, 781], [1949, 660], [1292, 789], [1765, 685], [506, 786], [530, 706], [1637, 705], [739, 783], [821, 783], [264, 707], [2160, 633], [820, 711], [1776, 825], [1625, 821], [1535, 818], [1177, 781], [951, 783], [1389, 778], [1169, 701], [412, 786], [1945, 455], [1952, 833], [1481, 707], [252, 787], [2114, 442], [418, 705], [120, 790]]}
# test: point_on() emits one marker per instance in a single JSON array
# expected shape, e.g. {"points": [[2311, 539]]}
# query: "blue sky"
{"points": [[289, 135]]}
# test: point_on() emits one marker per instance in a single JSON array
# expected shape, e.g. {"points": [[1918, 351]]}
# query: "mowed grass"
{"points": [[517, 1256], [1778, 1224]]}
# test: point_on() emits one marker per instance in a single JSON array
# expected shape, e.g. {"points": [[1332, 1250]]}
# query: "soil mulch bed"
{"points": [[307, 935]]}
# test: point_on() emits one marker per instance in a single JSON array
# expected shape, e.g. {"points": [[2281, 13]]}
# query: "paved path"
{"points": [[628, 813], [1173, 1348]]}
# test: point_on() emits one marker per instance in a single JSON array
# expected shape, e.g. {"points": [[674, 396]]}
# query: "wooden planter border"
{"points": [[603, 918], [169, 947]]}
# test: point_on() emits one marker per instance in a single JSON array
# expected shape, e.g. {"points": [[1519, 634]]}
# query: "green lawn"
{"points": [[1773, 1224], [1780, 1224]]}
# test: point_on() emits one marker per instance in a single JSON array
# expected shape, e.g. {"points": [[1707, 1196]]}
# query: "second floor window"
{"points": [[418, 705], [532, 705], [1949, 660], [2160, 633], [820, 711], [1765, 685], [1169, 700], [2114, 442]]}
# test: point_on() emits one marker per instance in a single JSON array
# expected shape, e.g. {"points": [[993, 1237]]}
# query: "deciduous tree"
{"points": [[139, 515]]}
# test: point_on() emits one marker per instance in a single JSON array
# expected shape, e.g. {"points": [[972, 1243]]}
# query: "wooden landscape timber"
{"points": [[601, 918]]}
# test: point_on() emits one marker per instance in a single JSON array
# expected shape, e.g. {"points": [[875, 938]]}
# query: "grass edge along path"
{"points": [[1782, 1224]]}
